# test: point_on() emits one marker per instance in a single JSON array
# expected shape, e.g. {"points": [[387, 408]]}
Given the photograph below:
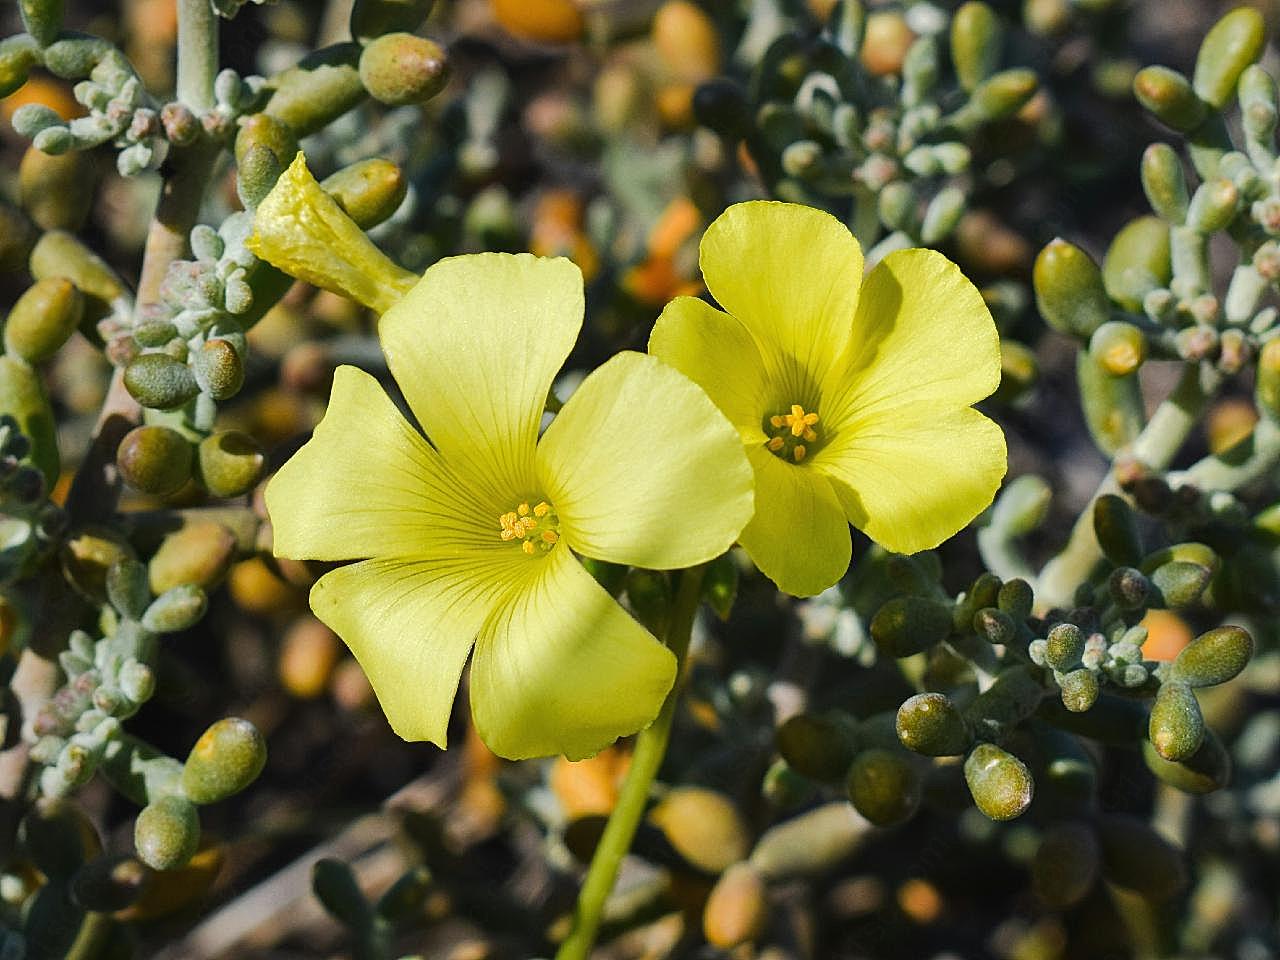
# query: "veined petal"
{"points": [[410, 625], [301, 230], [718, 353], [799, 537], [914, 476], [922, 334], [475, 346], [368, 485], [561, 668], [643, 469], [791, 274]]}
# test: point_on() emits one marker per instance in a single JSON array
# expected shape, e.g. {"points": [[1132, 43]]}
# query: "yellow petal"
{"points": [[475, 346], [411, 626], [561, 668], [718, 353], [643, 469], [915, 476], [368, 485], [799, 536], [301, 230], [791, 274], [922, 335]]}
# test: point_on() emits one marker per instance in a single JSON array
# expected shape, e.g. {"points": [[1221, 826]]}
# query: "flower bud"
{"points": [[1003, 94], [176, 609], [167, 833], [159, 381], [931, 725], [1213, 206], [1137, 262], [368, 192], [1063, 646], [226, 759], [372, 18], [43, 319], [18, 54], [335, 886], [229, 463], [22, 397], [703, 826], [977, 35], [737, 908], [110, 883], [127, 587], [322, 87], [1164, 183], [302, 230], [1179, 584], [908, 625], [42, 19], [1137, 858], [154, 460], [811, 843], [60, 254], [400, 68], [1213, 657], [1233, 43], [1079, 690], [218, 369], [1169, 97], [1176, 728], [819, 747], [1066, 863], [1069, 290], [1000, 783], [57, 191]]}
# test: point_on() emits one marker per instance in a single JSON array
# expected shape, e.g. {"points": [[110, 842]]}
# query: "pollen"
{"points": [[536, 528], [791, 434]]}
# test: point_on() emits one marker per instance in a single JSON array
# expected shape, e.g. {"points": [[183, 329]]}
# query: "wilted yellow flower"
{"points": [[468, 536], [851, 397]]}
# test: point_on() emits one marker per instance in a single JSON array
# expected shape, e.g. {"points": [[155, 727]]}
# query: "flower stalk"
{"points": [[651, 747]]}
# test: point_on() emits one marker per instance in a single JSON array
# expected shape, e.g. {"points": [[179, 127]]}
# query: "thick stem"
{"points": [[197, 53], [1156, 446], [651, 747]]}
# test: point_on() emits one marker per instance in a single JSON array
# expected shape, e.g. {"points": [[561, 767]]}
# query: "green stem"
{"points": [[1252, 458], [197, 53], [1156, 446], [651, 747]]}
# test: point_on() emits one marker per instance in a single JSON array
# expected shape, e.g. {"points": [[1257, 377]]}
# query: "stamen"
{"points": [[541, 509], [527, 546], [776, 444], [791, 432], [537, 528], [798, 453]]}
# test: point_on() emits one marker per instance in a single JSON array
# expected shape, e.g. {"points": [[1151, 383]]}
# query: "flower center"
{"points": [[791, 434], [536, 528]]}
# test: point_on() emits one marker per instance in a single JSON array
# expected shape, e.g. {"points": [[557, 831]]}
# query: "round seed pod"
{"points": [[1137, 858], [154, 459], [167, 833], [218, 368], [1016, 599], [1079, 690], [159, 381], [199, 553], [43, 319], [1066, 864], [1213, 657], [737, 909], [931, 725], [885, 786], [60, 254], [816, 746], [229, 463], [1069, 290], [400, 68], [226, 759], [703, 826], [907, 625], [57, 191], [1000, 783]]}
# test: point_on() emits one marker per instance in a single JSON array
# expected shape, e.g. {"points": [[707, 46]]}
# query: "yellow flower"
{"points": [[469, 538], [853, 404]]}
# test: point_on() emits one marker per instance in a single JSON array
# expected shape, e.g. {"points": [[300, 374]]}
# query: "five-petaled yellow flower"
{"points": [[853, 404], [467, 537]]}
